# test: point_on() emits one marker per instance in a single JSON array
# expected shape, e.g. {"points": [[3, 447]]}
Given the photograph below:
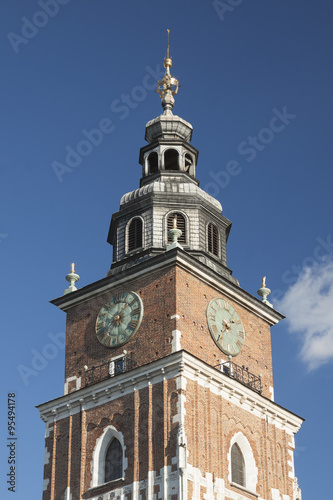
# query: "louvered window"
{"points": [[213, 241], [135, 234], [237, 465], [180, 225], [114, 461]]}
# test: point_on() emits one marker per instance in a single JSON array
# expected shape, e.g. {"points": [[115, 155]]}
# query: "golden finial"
{"points": [[72, 267], [263, 284], [168, 86], [174, 222], [167, 60]]}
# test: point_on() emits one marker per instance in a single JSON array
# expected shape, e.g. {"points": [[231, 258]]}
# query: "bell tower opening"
{"points": [[171, 159], [153, 162]]}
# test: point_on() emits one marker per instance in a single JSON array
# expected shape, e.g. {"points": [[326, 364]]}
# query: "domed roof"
{"points": [[174, 187], [168, 126]]}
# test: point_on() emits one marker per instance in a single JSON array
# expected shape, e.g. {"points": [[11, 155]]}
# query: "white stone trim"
{"points": [[47, 455], [68, 495], [45, 484], [175, 344], [290, 462], [276, 495], [47, 429], [240, 395], [71, 379], [166, 368], [99, 454], [251, 470], [271, 390], [167, 481]]}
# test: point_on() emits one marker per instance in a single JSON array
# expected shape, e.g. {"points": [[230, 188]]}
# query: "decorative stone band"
{"points": [[177, 364]]}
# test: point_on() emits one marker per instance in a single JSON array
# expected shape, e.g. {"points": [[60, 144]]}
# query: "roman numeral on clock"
{"points": [[133, 324]]}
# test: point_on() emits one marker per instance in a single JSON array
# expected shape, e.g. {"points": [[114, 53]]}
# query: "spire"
{"points": [[168, 86]]}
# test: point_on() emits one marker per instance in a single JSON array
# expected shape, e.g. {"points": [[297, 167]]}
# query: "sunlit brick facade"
{"points": [[155, 405]]}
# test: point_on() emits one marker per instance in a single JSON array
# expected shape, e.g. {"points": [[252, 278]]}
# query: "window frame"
{"points": [[108, 460], [128, 225], [99, 456], [181, 241], [241, 466], [250, 468], [217, 240]]}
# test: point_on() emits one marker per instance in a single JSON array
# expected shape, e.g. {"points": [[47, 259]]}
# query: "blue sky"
{"points": [[92, 64]]}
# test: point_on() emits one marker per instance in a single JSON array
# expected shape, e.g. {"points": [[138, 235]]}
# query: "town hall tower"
{"points": [[168, 366]]}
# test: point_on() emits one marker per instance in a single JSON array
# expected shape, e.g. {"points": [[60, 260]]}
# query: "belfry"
{"points": [[168, 365]]}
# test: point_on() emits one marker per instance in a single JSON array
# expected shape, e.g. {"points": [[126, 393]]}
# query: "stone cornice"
{"points": [[172, 366], [247, 399], [181, 258]]}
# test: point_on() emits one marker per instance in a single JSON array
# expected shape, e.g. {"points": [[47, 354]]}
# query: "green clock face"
{"points": [[225, 326], [119, 319]]}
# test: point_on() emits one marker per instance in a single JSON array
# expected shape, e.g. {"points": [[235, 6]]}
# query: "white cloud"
{"points": [[308, 305]]}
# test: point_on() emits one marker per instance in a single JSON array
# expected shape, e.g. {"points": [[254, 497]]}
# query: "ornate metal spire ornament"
{"points": [[72, 278], [174, 234], [168, 86], [264, 292]]}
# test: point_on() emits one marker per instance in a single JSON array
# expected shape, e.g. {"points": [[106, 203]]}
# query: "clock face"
{"points": [[119, 319], [225, 326]]}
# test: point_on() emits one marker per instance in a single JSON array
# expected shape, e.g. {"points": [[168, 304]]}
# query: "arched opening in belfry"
{"points": [[153, 162], [188, 164], [171, 160]]}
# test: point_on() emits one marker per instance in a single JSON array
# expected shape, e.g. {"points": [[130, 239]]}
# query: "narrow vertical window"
{"points": [[213, 243], [237, 465], [153, 162], [135, 234], [171, 160], [188, 164], [114, 461], [180, 225]]}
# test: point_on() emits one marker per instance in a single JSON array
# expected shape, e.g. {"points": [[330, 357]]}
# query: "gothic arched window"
{"points": [[114, 461], [134, 239], [180, 225], [237, 465], [213, 240]]}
